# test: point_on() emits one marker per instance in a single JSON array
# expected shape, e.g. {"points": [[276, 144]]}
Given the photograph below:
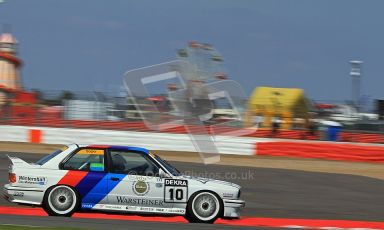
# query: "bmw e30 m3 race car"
{"points": [[118, 178]]}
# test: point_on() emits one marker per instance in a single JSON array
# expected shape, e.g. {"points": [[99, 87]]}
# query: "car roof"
{"points": [[116, 147]]}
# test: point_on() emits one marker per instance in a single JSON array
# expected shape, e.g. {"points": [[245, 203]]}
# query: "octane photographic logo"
{"points": [[193, 103]]}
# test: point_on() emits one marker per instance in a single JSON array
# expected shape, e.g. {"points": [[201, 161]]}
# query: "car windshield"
{"points": [[168, 166], [49, 157]]}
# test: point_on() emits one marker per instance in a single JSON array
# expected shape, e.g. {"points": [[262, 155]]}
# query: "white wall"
{"points": [[153, 141]]}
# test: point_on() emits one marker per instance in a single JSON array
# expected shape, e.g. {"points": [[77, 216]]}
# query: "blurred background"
{"points": [[309, 71]]}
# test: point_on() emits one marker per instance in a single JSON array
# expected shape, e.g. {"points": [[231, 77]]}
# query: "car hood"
{"points": [[210, 181]]}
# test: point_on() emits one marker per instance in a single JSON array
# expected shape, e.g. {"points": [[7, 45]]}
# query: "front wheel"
{"points": [[204, 207], [61, 200]]}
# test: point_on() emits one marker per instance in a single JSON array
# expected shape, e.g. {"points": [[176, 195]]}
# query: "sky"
{"points": [[87, 45]]}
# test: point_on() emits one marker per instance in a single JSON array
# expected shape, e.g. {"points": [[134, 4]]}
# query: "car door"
{"points": [[134, 182], [88, 175]]}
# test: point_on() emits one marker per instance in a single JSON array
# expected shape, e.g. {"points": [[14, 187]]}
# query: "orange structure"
{"points": [[9, 63], [9, 67], [14, 101]]}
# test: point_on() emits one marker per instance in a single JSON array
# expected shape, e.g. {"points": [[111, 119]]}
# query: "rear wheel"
{"points": [[61, 200], [204, 207]]}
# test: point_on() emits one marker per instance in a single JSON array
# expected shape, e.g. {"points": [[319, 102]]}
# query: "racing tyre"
{"points": [[204, 207], [61, 200]]}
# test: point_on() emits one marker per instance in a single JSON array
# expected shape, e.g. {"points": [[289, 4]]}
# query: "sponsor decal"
{"points": [[173, 182], [138, 177], [139, 201], [146, 209], [18, 194], [117, 207], [155, 210], [159, 185], [160, 210], [181, 211], [38, 180], [86, 206], [91, 151], [130, 208], [140, 187]]}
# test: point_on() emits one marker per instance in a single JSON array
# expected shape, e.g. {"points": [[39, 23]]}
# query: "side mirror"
{"points": [[163, 174], [96, 167]]}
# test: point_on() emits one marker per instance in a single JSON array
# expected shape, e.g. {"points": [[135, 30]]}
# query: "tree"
{"points": [[67, 95]]}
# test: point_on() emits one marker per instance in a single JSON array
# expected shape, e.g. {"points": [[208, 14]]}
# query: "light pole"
{"points": [[356, 82]]}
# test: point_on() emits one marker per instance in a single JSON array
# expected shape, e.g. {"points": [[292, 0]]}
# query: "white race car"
{"points": [[118, 178]]}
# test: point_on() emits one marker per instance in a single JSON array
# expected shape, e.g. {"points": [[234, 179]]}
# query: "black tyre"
{"points": [[204, 207], [61, 200]]}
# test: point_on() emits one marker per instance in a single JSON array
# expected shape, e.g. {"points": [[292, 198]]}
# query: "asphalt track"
{"points": [[272, 193]]}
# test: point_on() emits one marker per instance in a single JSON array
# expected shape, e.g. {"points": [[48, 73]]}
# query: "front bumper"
{"points": [[232, 208], [23, 195]]}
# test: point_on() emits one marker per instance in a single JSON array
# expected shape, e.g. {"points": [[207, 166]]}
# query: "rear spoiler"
{"points": [[17, 162]]}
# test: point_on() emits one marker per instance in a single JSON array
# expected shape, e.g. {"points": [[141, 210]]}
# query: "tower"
{"points": [[356, 78], [9, 63], [14, 101], [9, 66]]}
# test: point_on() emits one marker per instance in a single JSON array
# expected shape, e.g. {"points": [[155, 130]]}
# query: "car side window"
{"points": [[86, 160], [133, 163]]}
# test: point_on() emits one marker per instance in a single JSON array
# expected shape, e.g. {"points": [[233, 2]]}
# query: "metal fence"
{"points": [[97, 110]]}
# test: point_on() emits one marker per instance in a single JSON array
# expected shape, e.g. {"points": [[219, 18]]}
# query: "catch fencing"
{"points": [[92, 110]]}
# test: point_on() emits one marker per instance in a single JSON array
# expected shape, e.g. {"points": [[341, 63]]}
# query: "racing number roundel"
{"points": [[175, 191]]}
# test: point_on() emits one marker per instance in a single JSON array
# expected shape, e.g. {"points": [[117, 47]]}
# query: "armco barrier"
{"points": [[182, 142], [326, 150]]}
